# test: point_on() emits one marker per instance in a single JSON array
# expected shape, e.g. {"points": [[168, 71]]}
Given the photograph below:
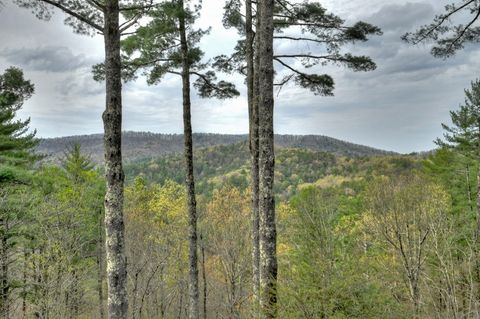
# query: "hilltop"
{"points": [[146, 145]]}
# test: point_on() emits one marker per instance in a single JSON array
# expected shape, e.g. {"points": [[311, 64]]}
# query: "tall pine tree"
{"points": [[16, 143], [168, 44], [16, 156], [464, 134], [103, 17], [319, 37]]}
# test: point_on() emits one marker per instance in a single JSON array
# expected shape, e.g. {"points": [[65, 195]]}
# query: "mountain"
{"points": [[145, 145], [294, 168]]}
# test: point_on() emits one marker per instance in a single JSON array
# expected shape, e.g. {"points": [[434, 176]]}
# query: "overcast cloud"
{"points": [[397, 107]]}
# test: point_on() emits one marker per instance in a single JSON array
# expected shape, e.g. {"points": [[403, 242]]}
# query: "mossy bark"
{"points": [[268, 233], [112, 120], [193, 289], [252, 88]]}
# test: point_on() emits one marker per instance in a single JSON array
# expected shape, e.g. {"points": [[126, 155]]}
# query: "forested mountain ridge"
{"points": [[296, 167], [146, 145]]}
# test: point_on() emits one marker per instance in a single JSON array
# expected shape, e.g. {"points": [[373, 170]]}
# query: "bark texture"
{"points": [[112, 120], [4, 260], [101, 302], [204, 277], [477, 232], [268, 233], [193, 290], [476, 235], [252, 89]]}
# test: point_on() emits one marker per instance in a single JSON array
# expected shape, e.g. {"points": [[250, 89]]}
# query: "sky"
{"points": [[400, 106]]}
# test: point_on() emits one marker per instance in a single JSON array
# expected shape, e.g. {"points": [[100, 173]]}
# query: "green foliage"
{"points": [[228, 164], [156, 49], [320, 35], [75, 163], [448, 36], [323, 273], [88, 19], [465, 132], [65, 237], [16, 144]]}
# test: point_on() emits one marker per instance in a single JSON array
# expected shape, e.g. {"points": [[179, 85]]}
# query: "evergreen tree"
{"points": [[448, 36], [91, 17], [464, 138], [309, 25], [168, 44], [75, 163], [465, 132], [16, 154], [16, 143], [66, 240], [464, 135]]}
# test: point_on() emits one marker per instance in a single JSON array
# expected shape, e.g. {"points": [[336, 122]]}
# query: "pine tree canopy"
{"points": [[464, 134], [155, 49], [16, 143], [451, 30]]}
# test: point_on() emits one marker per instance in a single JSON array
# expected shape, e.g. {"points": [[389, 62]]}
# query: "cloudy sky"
{"points": [[397, 107]]}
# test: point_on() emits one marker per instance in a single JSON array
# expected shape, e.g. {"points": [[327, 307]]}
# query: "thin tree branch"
{"points": [[74, 14], [285, 37], [309, 56], [131, 8], [444, 18], [127, 24], [207, 81], [97, 4], [464, 30], [304, 75]]}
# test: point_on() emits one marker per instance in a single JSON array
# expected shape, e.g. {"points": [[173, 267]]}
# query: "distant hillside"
{"points": [[144, 145], [294, 167]]}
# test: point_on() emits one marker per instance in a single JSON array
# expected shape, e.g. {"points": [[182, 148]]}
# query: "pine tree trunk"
{"points": [[190, 181], [477, 240], [112, 121], [134, 295], [24, 284], [477, 231], [252, 87], [469, 189], [101, 301], [204, 277], [5, 282], [268, 233]]}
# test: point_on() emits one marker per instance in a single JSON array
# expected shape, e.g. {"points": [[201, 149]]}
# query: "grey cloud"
{"points": [[46, 58], [79, 84], [402, 17], [397, 60]]}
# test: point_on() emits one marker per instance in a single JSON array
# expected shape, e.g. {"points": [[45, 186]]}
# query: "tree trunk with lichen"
{"points": [[268, 233], [477, 240], [5, 261], [252, 87], [112, 120], [193, 290], [100, 270]]}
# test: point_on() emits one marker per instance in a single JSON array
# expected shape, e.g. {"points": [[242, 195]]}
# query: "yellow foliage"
{"points": [[330, 181]]}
